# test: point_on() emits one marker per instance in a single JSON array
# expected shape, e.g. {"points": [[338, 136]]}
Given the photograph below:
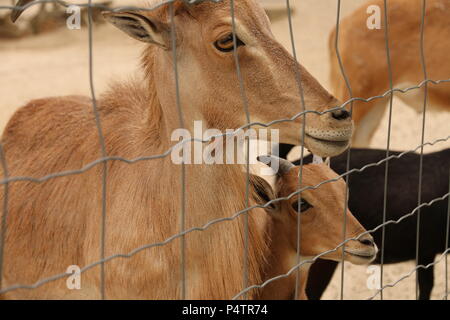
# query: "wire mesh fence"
{"points": [[104, 259]]}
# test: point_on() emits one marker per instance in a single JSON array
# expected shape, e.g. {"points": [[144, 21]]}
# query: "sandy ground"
{"points": [[57, 64]]}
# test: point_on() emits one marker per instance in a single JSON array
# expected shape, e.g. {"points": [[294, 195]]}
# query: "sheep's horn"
{"points": [[283, 165], [15, 14]]}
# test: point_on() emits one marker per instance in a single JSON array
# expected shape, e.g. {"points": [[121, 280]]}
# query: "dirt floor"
{"points": [[57, 64]]}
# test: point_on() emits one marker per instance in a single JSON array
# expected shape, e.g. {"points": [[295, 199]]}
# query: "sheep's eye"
{"points": [[226, 43], [303, 206]]}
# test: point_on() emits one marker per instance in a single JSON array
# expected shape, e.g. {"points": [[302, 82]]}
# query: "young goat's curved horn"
{"points": [[317, 159], [275, 163]]}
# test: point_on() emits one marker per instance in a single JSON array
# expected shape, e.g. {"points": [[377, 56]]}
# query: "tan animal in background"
{"points": [[9, 30], [363, 53], [57, 223], [16, 12], [53, 18], [322, 215], [46, 20]]}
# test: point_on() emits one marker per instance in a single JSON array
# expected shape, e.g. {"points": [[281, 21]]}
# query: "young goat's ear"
{"points": [[140, 27], [263, 193]]}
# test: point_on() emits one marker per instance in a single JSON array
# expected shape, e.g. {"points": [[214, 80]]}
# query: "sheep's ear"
{"points": [[279, 165], [141, 27], [263, 193]]}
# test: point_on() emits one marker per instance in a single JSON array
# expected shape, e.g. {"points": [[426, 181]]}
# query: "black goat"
{"points": [[366, 204]]}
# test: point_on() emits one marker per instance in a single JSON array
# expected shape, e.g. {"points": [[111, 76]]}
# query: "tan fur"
{"points": [[10, 31], [320, 229], [363, 52], [46, 20], [56, 224]]}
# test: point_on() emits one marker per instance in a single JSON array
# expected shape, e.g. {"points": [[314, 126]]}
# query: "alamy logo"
{"points": [[374, 20], [73, 281], [374, 280], [73, 22], [213, 146]]}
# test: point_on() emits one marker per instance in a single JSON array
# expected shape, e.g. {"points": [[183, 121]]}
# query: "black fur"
{"points": [[366, 204]]}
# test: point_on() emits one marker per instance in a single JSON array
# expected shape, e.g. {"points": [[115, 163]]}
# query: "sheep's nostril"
{"points": [[367, 242], [340, 114]]}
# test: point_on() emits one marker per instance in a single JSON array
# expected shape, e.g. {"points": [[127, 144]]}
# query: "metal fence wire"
{"points": [[103, 259]]}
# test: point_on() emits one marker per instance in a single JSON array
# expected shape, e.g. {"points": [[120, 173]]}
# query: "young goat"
{"points": [[322, 212], [366, 204]]}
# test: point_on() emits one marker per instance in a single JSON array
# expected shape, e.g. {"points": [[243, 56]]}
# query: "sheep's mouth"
{"points": [[325, 147], [332, 135], [363, 257], [361, 254], [339, 142]]}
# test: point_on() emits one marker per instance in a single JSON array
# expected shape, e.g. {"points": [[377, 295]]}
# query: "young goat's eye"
{"points": [[226, 43], [304, 205]]}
